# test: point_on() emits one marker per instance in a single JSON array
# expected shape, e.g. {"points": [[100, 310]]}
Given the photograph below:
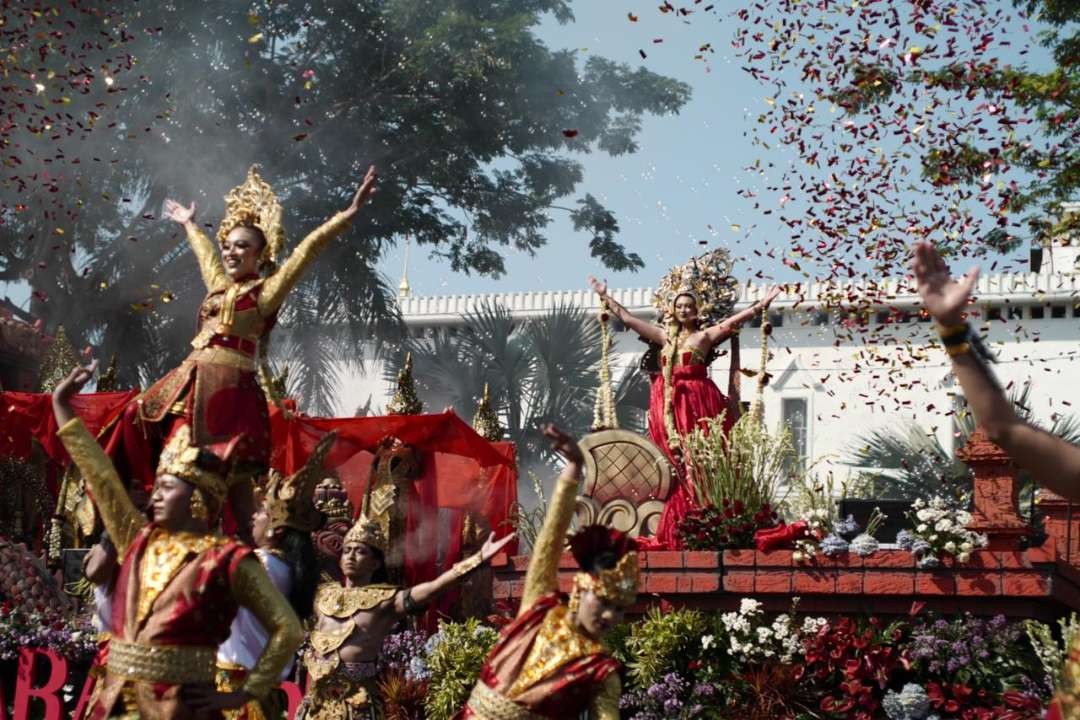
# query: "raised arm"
{"points": [[542, 575], [122, 519], [419, 595], [254, 590], [277, 287], [1053, 463], [720, 332], [650, 331], [213, 272]]}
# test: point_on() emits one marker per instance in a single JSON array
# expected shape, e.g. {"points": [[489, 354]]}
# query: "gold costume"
{"points": [[176, 594]]}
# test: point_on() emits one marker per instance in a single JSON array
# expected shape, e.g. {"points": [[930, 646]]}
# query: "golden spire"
{"points": [[486, 420], [405, 400], [59, 360]]}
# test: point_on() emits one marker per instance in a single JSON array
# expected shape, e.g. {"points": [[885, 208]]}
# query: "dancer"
{"points": [[354, 619], [550, 662], [179, 586], [282, 528], [1052, 462], [215, 391], [99, 568], [695, 323]]}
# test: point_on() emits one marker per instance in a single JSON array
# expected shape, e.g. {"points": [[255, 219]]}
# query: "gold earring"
{"points": [[197, 506]]}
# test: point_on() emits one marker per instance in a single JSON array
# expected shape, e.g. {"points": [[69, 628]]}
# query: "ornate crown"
{"points": [[331, 499], [290, 501], [708, 279], [254, 204], [368, 532], [594, 543], [193, 465]]}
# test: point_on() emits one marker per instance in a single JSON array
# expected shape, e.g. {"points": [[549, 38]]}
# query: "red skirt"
{"points": [[696, 399]]}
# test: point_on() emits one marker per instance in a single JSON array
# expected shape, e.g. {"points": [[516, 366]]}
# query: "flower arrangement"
{"points": [[75, 638], [939, 530], [865, 544], [732, 525]]}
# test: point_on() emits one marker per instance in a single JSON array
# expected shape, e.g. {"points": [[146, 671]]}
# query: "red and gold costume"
{"points": [[544, 666], [216, 389], [176, 592], [290, 503]]}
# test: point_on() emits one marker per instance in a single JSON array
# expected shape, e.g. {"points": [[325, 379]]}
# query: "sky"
{"points": [[667, 195]]}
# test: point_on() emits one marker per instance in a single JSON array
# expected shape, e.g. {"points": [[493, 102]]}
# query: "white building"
{"points": [[832, 377]]}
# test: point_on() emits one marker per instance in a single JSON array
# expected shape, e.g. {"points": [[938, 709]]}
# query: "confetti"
{"points": [[570, 133]]}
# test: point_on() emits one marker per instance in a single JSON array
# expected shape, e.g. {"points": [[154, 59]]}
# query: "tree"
{"points": [[912, 463], [543, 369], [471, 119]]}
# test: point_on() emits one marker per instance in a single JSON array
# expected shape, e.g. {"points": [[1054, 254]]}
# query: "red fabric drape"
{"points": [[461, 471], [29, 416]]}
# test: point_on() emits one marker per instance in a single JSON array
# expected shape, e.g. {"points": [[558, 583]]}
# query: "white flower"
{"points": [[963, 557], [963, 518], [921, 528], [797, 556], [966, 547], [943, 525], [924, 514], [749, 606], [919, 502], [950, 546], [933, 538], [707, 641]]}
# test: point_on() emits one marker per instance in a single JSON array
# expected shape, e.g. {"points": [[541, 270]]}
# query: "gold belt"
{"points": [[218, 355], [174, 664], [489, 704]]}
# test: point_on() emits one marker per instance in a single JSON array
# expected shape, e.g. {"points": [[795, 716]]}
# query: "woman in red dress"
{"points": [[682, 393], [215, 390]]}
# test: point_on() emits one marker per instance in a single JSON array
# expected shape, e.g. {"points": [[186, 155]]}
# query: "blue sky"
{"points": [[666, 196]]}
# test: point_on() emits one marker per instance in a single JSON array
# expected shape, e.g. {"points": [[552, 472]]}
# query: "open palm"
{"points": [[943, 297]]}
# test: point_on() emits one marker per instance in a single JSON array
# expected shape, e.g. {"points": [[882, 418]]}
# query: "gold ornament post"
{"points": [[405, 400]]}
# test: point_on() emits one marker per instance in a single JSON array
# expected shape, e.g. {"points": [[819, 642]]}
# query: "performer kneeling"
{"points": [[179, 585], [550, 662], [282, 528], [354, 619]]}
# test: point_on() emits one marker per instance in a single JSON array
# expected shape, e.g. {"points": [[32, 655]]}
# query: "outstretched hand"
{"points": [[178, 213], [774, 291], [600, 288], [366, 190], [564, 445], [492, 546], [943, 297], [68, 388]]}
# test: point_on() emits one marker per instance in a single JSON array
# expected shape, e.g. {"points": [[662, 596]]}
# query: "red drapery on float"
{"points": [[462, 472]]}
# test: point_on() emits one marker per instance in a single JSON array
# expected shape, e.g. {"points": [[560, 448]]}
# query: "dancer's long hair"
{"points": [[298, 552]]}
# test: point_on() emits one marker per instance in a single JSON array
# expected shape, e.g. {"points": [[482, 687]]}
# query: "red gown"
{"points": [[696, 398], [215, 389]]}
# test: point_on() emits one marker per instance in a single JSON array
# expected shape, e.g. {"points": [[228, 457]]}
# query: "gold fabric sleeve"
{"points": [[254, 590], [277, 287], [122, 519], [206, 253], [605, 705], [542, 576]]}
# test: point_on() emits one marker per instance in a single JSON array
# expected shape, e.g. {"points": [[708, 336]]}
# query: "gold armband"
{"points": [[466, 566]]}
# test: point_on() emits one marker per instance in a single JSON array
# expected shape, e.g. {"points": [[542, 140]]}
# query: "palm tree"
{"points": [[542, 369], [910, 461]]}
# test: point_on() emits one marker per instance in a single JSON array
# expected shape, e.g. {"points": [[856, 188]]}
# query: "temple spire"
{"points": [[403, 287]]}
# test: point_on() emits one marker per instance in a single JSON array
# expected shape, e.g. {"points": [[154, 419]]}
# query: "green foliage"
{"points": [[539, 370], [664, 642], [455, 659], [749, 464], [1052, 652], [459, 103]]}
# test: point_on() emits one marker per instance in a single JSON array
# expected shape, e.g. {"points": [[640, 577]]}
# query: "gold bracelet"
{"points": [[961, 349], [466, 566], [947, 331]]}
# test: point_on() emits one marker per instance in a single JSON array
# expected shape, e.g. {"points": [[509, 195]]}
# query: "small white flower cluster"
{"points": [[751, 638], [939, 528]]}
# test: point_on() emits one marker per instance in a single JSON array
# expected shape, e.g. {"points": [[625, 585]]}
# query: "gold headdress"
{"points": [[368, 532], [290, 501], [708, 279], [254, 204], [193, 465], [595, 543]]}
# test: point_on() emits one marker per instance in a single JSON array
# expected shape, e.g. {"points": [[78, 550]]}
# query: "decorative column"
{"points": [[996, 513]]}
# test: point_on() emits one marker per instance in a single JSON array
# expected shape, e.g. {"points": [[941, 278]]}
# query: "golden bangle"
{"points": [[961, 349], [466, 566], [948, 331]]}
